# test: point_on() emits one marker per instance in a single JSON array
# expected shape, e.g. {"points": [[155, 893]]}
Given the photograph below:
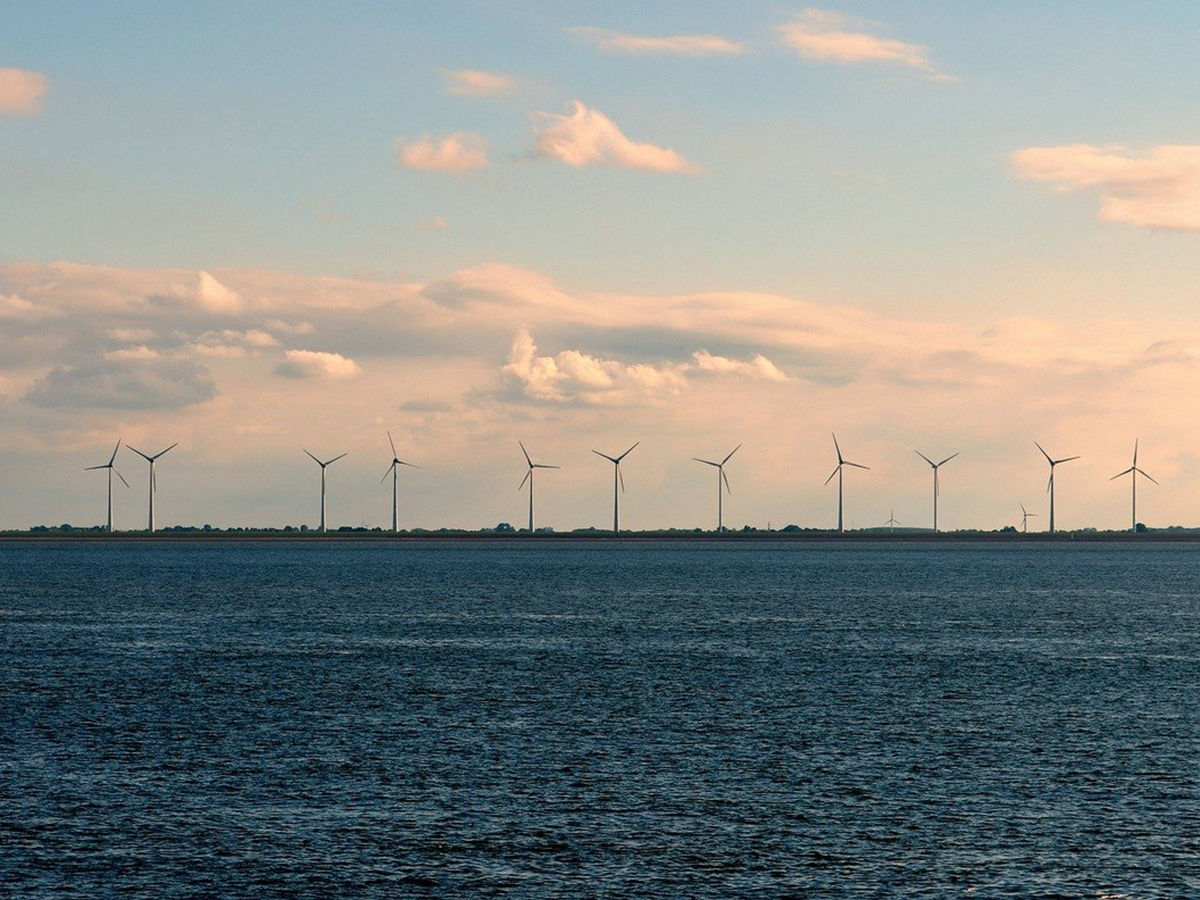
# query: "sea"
{"points": [[599, 719]]}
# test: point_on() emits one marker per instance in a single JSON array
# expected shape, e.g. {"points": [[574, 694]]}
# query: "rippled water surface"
{"points": [[674, 720]]}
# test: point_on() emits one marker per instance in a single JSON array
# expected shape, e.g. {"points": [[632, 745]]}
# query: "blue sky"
{"points": [[245, 139]]}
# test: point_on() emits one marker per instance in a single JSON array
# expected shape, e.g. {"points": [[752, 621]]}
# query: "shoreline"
{"points": [[773, 537]]}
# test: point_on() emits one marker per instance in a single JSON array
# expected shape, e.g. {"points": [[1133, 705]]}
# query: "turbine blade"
{"points": [[725, 478], [606, 456], [1119, 474], [119, 475], [1147, 475], [139, 453], [831, 474], [924, 457], [401, 462], [544, 466], [314, 459], [165, 452], [707, 462], [1050, 482], [627, 452], [948, 458], [153, 480], [1068, 459], [1023, 510], [393, 443], [336, 458], [1044, 453], [621, 478], [112, 459], [528, 475], [526, 452], [730, 456], [837, 448], [1135, 448], [856, 465], [387, 472], [94, 468]]}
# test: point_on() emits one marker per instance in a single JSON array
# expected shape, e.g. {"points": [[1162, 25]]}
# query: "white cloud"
{"points": [[316, 364], [587, 137], [21, 92], [824, 36], [474, 83], [216, 297], [461, 151], [133, 353], [1158, 188], [758, 367], [572, 376], [18, 309], [670, 45]]}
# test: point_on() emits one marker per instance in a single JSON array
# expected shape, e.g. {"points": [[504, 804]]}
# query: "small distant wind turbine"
{"points": [[721, 478], [1133, 472], [111, 467], [936, 482], [392, 470], [529, 477], [891, 523], [1050, 484], [618, 478], [1026, 515], [841, 464], [324, 466], [153, 478]]}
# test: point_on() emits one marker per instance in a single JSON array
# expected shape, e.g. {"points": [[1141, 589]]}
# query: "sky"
{"points": [[255, 228]]}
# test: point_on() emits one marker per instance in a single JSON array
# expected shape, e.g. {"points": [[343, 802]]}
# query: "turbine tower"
{"points": [[1026, 515], [1133, 472], [936, 482], [529, 477], [721, 478], [391, 470], [841, 464], [153, 479], [1050, 484], [324, 466], [618, 478], [111, 467]]}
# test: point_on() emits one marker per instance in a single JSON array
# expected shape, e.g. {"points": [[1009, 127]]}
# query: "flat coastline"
{"points": [[566, 537]]}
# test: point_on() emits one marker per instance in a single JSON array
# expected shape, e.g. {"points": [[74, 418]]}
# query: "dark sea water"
{"points": [[183, 720]]}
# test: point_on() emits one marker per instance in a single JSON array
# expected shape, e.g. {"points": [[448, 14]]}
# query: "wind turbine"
{"points": [[891, 523], [1050, 484], [110, 465], [936, 483], [529, 477], [721, 477], [841, 464], [618, 478], [1026, 515], [392, 470], [324, 466], [1133, 472], [153, 479]]}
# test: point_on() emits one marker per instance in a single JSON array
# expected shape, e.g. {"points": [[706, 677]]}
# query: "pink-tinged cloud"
{"points": [[823, 36], [21, 92], [587, 137], [475, 83], [461, 151], [758, 367], [1159, 188], [669, 45], [316, 364]]}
